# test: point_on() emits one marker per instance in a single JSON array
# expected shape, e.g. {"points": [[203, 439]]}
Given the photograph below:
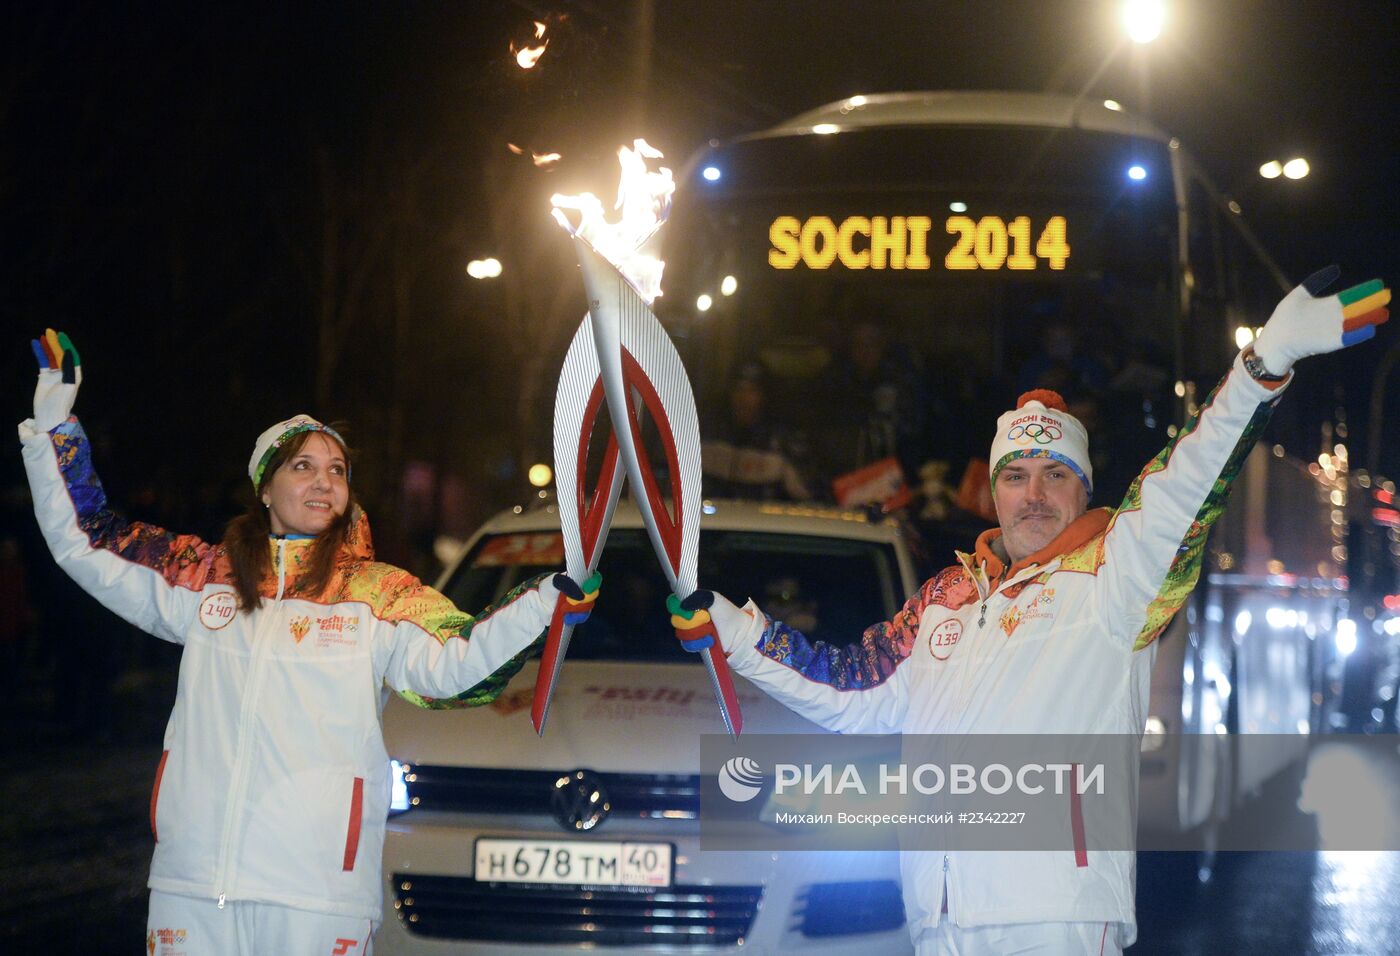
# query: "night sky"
{"points": [[240, 212]]}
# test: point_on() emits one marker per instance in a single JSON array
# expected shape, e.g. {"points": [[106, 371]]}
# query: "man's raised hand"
{"points": [[1308, 323]]}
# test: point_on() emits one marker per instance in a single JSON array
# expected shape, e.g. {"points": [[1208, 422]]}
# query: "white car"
{"points": [[589, 836]]}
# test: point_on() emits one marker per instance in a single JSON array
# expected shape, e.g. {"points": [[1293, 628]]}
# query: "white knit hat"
{"points": [[276, 436], [1041, 426]]}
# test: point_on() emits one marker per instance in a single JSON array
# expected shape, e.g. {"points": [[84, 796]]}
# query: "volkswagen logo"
{"points": [[579, 800]]}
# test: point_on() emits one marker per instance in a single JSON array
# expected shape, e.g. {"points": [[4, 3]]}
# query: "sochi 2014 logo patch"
{"points": [[1034, 429], [166, 942], [944, 638], [218, 610], [1039, 607], [1039, 433], [338, 629], [299, 626]]}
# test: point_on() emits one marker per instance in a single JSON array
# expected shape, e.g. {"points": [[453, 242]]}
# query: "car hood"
{"points": [[605, 716]]}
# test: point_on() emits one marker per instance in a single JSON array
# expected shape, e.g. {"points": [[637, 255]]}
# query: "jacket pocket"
{"points": [[155, 792], [352, 829]]}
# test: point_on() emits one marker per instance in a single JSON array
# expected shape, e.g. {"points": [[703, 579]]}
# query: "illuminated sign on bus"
{"points": [[902, 242]]}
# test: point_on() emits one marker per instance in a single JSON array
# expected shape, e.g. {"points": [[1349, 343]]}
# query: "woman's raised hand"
{"points": [[60, 374]]}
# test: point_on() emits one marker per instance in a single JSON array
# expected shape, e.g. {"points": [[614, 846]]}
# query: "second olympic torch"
{"points": [[636, 356]]}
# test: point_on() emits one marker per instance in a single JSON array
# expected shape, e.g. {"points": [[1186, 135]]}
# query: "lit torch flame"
{"points": [[528, 56], [644, 199]]}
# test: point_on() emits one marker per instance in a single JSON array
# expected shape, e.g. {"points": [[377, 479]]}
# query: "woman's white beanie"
{"points": [[276, 436]]}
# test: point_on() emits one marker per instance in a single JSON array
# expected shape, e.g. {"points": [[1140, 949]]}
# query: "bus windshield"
{"points": [[890, 291]]}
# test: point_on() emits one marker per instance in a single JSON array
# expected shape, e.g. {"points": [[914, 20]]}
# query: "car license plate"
{"points": [[584, 862]]}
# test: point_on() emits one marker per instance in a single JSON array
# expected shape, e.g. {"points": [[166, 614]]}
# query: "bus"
{"points": [[957, 248]]}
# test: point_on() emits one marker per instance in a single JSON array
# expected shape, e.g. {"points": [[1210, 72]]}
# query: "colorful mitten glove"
{"points": [[705, 617], [60, 374], [580, 598], [1304, 324]]}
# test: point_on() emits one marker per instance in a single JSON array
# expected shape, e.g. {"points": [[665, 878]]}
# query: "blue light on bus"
{"points": [[711, 173], [1137, 172]]}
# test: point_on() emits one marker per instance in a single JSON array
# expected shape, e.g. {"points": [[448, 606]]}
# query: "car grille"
{"points": [[460, 908], [840, 909], [476, 790]]}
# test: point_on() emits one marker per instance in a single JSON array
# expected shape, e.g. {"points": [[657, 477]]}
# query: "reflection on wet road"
{"points": [[1328, 902]]}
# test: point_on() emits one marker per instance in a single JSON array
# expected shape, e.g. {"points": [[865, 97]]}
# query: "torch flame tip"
{"points": [[644, 201]]}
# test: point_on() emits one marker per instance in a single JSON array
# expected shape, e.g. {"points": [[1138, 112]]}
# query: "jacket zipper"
{"points": [[945, 907], [239, 783]]}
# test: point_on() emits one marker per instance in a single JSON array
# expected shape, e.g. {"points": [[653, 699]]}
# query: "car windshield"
{"points": [[831, 589]]}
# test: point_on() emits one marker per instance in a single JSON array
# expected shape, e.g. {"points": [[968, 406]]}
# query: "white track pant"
{"points": [[187, 926], [1032, 939]]}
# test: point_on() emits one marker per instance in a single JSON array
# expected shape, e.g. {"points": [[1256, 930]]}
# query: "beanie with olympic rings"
{"points": [[1040, 426]]}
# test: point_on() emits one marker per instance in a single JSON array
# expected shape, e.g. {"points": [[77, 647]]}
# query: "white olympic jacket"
{"points": [[274, 782], [1061, 642]]}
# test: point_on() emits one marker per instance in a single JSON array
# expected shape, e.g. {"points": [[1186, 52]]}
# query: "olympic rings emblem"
{"points": [[1035, 433]]}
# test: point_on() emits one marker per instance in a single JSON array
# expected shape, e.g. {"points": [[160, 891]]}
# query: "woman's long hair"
{"points": [[246, 538]]}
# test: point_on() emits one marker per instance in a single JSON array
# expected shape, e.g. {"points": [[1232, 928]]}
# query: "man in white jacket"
{"points": [[1048, 626]]}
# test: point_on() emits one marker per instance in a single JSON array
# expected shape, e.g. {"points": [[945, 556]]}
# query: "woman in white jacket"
{"points": [[270, 798]]}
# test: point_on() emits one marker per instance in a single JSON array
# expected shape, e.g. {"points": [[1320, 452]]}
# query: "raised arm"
{"points": [[1150, 557], [143, 573]]}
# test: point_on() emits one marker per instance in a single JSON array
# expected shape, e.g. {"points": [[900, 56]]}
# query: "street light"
{"points": [[1295, 168], [1143, 19], [488, 268]]}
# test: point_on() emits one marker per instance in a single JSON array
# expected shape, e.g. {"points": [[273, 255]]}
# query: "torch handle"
{"points": [[556, 645]]}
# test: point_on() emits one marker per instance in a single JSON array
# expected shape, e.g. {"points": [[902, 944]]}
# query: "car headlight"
{"points": [[399, 799]]}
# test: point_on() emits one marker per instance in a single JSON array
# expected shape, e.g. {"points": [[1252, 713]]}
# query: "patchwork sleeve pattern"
{"points": [[435, 655], [855, 688], [1150, 556], [143, 573]]}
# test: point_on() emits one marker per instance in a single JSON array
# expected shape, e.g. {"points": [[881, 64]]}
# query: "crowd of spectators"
{"points": [[877, 407]]}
